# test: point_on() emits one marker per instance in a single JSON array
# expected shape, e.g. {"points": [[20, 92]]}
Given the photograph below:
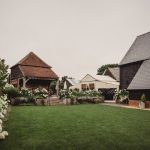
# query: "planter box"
{"points": [[135, 103], [66, 101], [40, 101], [147, 104]]}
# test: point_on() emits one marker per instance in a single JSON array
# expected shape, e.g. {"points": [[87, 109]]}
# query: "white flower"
{"points": [[8, 86], [5, 133], [25, 89], [1, 116], [4, 111], [1, 122], [1, 128], [2, 136]]}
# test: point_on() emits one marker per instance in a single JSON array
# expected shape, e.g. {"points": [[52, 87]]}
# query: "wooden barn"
{"points": [[32, 72], [135, 68]]}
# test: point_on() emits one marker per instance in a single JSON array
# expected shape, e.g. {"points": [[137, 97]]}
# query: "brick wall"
{"points": [[147, 104], [135, 103]]}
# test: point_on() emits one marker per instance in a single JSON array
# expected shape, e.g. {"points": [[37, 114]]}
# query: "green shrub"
{"points": [[11, 91], [25, 92], [121, 96], [40, 93], [143, 98]]}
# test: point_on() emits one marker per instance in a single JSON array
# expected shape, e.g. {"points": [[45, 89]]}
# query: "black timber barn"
{"points": [[135, 68]]}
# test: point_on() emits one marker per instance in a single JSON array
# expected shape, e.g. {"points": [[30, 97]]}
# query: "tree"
{"points": [[63, 79], [3, 74], [53, 87], [101, 70]]}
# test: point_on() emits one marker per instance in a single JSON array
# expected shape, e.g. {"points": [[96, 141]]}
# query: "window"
{"points": [[91, 86], [83, 87]]}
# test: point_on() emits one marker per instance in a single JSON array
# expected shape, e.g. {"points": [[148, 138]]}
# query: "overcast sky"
{"points": [[75, 37]]}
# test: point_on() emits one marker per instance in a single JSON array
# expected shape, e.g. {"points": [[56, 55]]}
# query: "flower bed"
{"points": [[25, 96], [3, 114], [75, 97]]}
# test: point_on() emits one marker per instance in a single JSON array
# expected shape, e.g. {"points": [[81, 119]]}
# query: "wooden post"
{"points": [[57, 87], [24, 82], [18, 83]]}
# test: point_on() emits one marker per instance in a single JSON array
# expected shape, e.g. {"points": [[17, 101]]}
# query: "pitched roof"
{"points": [[72, 81], [39, 72], [140, 50], [32, 60], [33, 66], [142, 77], [101, 82], [114, 72], [104, 78], [101, 78]]}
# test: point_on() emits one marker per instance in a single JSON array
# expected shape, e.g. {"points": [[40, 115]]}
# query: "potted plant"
{"points": [[142, 101]]}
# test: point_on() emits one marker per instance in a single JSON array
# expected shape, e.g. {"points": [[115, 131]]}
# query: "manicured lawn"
{"points": [[82, 127]]}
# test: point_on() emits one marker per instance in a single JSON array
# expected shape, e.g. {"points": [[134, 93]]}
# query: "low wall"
{"points": [[147, 104], [135, 103]]}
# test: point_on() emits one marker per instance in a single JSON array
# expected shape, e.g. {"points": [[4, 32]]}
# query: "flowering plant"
{"points": [[40, 93], [3, 104], [3, 113], [122, 96], [64, 94], [82, 94], [2, 100], [25, 92]]}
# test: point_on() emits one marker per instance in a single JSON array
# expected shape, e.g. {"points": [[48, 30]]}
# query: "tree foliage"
{"points": [[53, 87], [11, 91], [101, 70], [3, 73], [63, 79]]}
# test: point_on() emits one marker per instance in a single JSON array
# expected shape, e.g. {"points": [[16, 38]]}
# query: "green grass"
{"points": [[82, 127]]}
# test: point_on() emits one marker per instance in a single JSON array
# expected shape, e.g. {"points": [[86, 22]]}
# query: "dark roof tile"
{"points": [[115, 72], [142, 77], [139, 51]]}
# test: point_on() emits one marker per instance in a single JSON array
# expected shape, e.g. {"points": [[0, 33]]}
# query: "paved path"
{"points": [[112, 103]]}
